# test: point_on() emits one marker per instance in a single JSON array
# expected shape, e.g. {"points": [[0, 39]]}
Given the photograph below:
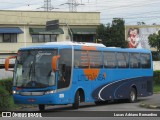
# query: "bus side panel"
{"points": [[121, 89], [80, 81]]}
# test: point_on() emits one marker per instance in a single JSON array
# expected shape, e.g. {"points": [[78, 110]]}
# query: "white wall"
{"points": [[5, 74], [156, 65]]}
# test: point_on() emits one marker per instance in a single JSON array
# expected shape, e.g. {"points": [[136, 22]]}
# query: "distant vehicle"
{"points": [[69, 73]]}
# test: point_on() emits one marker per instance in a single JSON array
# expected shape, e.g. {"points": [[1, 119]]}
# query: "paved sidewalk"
{"points": [[153, 103]]}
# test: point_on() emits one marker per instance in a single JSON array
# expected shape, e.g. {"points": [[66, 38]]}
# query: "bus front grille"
{"points": [[31, 93]]}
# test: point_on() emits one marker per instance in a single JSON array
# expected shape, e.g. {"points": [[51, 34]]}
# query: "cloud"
{"points": [[28, 7], [132, 11]]}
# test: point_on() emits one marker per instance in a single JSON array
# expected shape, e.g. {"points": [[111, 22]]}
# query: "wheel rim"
{"points": [[133, 96]]}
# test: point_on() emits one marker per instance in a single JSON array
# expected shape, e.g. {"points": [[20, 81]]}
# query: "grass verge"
{"points": [[156, 88]]}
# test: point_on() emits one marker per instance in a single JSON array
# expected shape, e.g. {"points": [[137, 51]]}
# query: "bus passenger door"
{"points": [[64, 66]]}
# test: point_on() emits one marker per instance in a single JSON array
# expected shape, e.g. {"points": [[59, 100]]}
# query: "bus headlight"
{"points": [[50, 92], [15, 92]]}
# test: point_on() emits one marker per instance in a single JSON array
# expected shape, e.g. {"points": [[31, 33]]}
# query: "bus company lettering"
{"points": [[92, 76], [41, 53]]}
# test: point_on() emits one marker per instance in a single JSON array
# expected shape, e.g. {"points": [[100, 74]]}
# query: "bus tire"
{"points": [[133, 95], [41, 107], [77, 98]]}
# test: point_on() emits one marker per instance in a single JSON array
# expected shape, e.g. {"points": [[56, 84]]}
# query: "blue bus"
{"points": [[70, 73]]}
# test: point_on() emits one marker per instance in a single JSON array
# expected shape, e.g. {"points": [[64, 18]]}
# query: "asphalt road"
{"points": [[66, 112], [111, 106]]}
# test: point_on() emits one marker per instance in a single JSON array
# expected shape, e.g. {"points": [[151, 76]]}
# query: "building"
{"points": [[25, 28]]}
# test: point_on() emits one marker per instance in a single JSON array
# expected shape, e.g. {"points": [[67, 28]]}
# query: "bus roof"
{"points": [[78, 45], [75, 44]]}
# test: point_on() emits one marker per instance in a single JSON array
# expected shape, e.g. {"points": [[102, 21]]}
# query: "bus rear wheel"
{"points": [[133, 95], [41, 107], [77, 99]]}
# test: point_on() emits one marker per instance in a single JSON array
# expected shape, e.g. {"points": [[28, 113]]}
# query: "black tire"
{"points": [[41, 107], [77, 98], [133, 95]]}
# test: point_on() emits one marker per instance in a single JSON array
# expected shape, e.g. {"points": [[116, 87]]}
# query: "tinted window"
{"points": [[95, 59], [53, 38], [109, 60], [41, 38], [35, 38], [122, 60], [65, 65], [11, 38], [6, 38], [81, 59], [47, 38], [134, 60], [1, 37], [86, 59], [145, 61], [44, 38]]}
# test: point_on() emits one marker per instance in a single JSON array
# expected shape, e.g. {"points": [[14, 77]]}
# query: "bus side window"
{"points": [[145, 60], [109, 59], [123, 60], [76, 63], [81, 59], [134, 60], [95, 59], [77, 56]]}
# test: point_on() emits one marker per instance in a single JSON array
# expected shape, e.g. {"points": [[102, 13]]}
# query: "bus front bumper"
{"points": [[43, 99]]}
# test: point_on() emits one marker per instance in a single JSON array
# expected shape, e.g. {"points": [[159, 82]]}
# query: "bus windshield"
{"points": [[33, 68]]}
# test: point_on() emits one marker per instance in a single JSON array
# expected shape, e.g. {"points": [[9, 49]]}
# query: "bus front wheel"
{"points": [[77, 98], [133, 95], [41, 107]]}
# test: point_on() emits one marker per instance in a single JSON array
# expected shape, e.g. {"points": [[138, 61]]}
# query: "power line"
{"points": [[25, 3], [84, 19], [142, 13], [73, 5], [48, 6], [129, 6]]}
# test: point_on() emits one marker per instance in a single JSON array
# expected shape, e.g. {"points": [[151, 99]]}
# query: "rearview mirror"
{"points": [[7, 62], [54, 62]]}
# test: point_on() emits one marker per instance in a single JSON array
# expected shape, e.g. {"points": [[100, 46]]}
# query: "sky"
{"points": [[132, 11]]}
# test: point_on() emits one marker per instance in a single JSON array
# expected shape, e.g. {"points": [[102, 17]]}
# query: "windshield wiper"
{"points": [[30, 71], [33, 84]]}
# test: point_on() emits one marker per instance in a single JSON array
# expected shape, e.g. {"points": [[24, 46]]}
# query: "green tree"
{"points": [[154, 40], [141, 23], [113, 35]]}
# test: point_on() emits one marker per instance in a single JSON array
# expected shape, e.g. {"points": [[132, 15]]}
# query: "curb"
{"points": [[150, 106], [158, 92]]}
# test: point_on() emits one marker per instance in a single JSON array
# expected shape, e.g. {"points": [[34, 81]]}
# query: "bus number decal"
{"points": [[61, 95]]}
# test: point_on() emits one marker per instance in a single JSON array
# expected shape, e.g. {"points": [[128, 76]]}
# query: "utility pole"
{"points": [[73, 5], [48, 5]]}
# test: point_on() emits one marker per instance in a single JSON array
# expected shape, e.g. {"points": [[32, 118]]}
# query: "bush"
{"points": [[4, 99], [156, 77], [5, 92], [7, 84], [155, 56]]}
